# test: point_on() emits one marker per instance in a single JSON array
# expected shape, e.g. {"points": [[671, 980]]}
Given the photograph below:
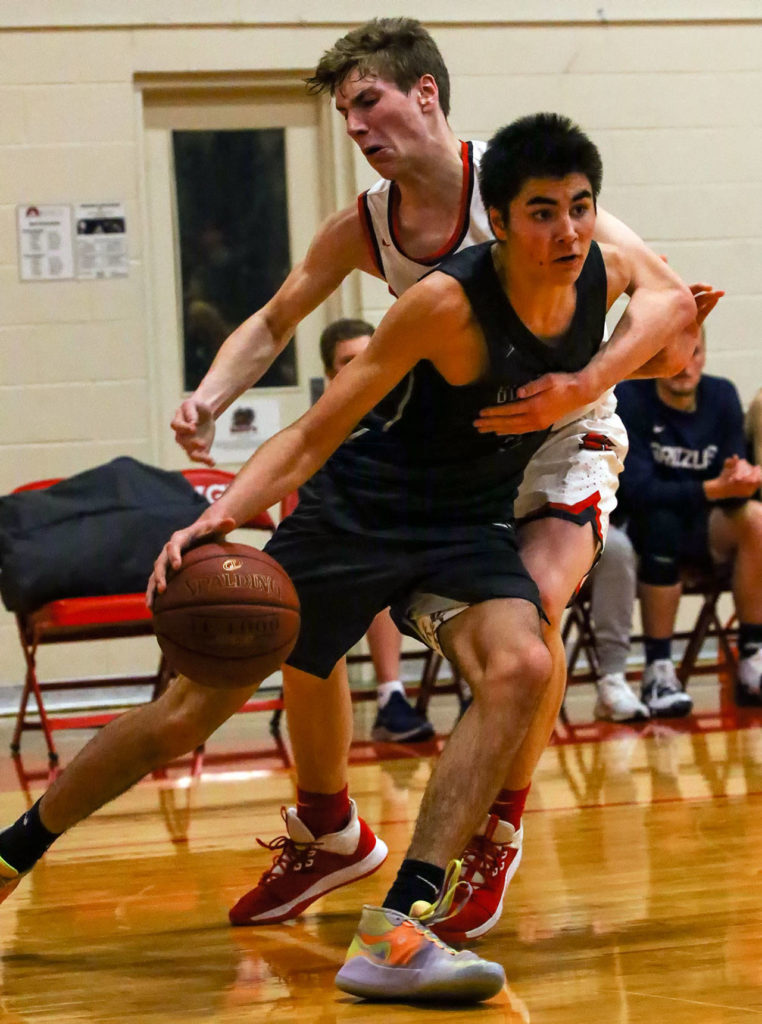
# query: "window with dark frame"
{"points": [[234, 247]]}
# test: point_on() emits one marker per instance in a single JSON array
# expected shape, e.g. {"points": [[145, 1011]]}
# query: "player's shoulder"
{"points": [[435, 293], [341, 238], [617, 265]]}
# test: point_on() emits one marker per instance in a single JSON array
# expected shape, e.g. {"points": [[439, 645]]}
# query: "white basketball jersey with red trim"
{"points": [[378, 214]]}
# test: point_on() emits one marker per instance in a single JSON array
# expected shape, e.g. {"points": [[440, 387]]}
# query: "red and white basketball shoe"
{"points": [[306, 868], [490, 861]]}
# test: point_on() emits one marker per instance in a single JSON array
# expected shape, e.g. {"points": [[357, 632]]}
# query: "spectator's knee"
{"points": [[618, 547]]}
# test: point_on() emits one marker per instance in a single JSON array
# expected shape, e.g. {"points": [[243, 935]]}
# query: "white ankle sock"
{"points": [[385, 690]]}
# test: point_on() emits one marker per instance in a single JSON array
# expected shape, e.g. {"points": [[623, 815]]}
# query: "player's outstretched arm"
{"points": [[245, 355], [416, 327]]}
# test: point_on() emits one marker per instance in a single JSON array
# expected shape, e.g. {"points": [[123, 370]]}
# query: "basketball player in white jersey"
{"points": [[392, 88], [393, 93]]}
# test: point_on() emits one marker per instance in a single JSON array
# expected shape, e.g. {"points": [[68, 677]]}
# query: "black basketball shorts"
{"points": [[344, 579]]}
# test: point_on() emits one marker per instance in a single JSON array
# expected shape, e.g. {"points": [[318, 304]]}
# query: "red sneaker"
{"points": [[490, 861], [306, 868]]}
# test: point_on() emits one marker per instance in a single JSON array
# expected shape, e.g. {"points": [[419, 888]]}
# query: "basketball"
{"points": [[229, 616]]}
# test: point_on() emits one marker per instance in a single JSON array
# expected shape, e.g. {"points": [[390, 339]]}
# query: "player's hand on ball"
{"points": [[210, 524]]}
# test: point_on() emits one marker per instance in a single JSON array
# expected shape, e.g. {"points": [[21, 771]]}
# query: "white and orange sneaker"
{"points": [[490, 861], [396, 956], [306, 868]]}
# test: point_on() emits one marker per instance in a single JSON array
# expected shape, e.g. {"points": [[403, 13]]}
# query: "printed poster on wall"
{"points": [[244, 426], [101, 240], [45, 242]]}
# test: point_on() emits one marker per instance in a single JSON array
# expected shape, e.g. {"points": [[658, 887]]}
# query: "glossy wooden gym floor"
{"points": [[638, 900]]}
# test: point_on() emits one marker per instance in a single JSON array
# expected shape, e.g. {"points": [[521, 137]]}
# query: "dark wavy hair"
{"points": [[536, 146]]}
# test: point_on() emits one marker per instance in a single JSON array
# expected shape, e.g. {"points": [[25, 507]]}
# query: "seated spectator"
{"points": [[613, 591], [396, 719], [685, 490]]}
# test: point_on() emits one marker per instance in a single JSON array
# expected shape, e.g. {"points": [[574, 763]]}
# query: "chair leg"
{"points": [[696, 641], [432, 664], [731, 661], [32, 686]]}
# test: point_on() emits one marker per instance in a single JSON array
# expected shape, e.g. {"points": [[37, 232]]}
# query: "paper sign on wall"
{"points": [[101, 240], [244, 426], [45, 243]]}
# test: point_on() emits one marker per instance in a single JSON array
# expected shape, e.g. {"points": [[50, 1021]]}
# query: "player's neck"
{"points": [[428, 200], [544, 307], [434, 177]]}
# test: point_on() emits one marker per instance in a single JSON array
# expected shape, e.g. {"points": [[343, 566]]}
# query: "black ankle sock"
{"points": [[22, 845], [749, 638], [416, 880], [657, 649]]}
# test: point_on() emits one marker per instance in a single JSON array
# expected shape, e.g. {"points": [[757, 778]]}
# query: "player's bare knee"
{"points": [[518, 674]]}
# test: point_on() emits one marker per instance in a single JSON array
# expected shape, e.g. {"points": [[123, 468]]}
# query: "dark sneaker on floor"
{"points": [[662, 693], [399, 722], [306, 868]]}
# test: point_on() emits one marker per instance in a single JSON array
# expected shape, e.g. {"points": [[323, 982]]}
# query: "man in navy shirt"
{"points": [[686, 488]]}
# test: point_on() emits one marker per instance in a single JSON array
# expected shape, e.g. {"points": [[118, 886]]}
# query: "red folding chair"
{"points": [[98, 618]]}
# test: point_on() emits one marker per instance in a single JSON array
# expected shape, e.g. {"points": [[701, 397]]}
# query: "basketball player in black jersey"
{"points": [[391, 87], [423, 521], [422, 155]]}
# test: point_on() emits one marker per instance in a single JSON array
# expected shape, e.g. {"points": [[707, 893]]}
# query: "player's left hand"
{"points": [[706, 299], [541, 403], [210, 524]]}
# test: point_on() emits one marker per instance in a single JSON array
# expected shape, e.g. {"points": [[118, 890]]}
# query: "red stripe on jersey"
{"points": [[368, 233], [465, 192]]}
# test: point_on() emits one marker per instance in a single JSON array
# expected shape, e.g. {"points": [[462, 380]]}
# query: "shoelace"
{"points": [[445, 905], [664, 683], [487, 861], [292, 854]]}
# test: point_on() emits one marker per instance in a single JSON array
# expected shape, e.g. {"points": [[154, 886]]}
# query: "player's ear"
{"points": [[428, 91], [498, 224]]}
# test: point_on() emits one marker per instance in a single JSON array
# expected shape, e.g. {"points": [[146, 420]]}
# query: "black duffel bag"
{"points": [[95, 533]]}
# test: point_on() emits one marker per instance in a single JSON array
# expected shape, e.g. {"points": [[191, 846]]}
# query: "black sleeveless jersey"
{"points": [[416, 466]]}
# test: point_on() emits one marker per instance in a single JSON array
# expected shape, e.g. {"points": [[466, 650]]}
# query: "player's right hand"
{"points": [[211, 523], [193, 424]]}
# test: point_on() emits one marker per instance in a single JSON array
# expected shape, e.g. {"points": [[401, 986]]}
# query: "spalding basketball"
{"points": [[229, 616]]}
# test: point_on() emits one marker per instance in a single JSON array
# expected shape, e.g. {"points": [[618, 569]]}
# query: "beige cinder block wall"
{"points": [[672, 93]]}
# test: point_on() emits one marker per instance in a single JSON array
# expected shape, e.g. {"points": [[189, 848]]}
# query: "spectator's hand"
{"points": [[193, 424], [706, 299], [209, 524], [540, 404], [738, 479]]}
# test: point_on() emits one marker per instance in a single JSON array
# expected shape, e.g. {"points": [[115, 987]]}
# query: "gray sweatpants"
{"points": [[614, 589]]}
